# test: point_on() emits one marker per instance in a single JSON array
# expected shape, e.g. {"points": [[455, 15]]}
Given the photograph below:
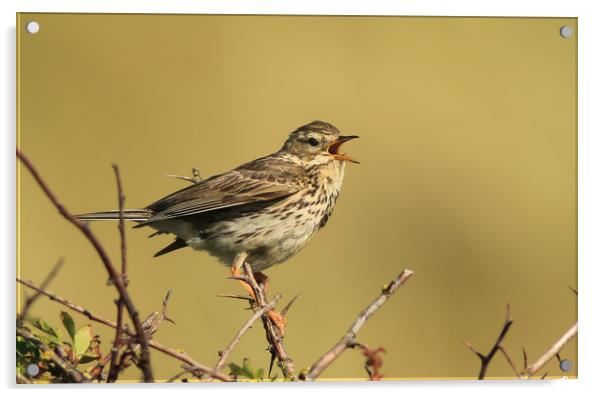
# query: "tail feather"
{"points": [[177, 244], [137, 215]]}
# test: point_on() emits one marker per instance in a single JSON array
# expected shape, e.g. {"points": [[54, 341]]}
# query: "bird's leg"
{"points": [[235, 271], [276, 318]]}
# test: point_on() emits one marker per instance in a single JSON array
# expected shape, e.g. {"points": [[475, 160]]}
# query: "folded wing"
{"points": [[251, 183]]}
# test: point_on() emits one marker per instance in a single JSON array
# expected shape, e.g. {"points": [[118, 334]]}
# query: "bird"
{"points": [[262, 212]]}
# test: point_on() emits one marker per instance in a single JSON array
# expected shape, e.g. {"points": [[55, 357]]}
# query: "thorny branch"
{"points": [[528, 370], [114, 276], [152, 343], [510, 362], [486, 359], [285, 363], [224, 354], [348, 340]]}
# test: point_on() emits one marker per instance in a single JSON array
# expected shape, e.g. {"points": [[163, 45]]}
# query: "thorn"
{"points": [[508, 318], [272, 359], [239, 278], [246, 298], [166, 299], [472, 348], [289, 304]]}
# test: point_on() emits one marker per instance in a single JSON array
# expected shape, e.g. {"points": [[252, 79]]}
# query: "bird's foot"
{"points": [[276, 318]]}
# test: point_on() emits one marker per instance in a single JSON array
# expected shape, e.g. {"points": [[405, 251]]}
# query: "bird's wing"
{"points": [[260, 180]]}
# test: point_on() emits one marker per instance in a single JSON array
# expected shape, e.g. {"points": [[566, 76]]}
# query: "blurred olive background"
{"points": [[467, 175]]}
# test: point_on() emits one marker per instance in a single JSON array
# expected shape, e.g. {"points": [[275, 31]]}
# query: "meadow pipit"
{"points": [[267, 209]]}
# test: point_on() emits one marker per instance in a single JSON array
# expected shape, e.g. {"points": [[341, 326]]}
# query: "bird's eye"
{"points": [[313, 141]]}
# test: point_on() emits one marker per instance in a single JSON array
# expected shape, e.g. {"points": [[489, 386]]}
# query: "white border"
{"points": [[590, 165]]}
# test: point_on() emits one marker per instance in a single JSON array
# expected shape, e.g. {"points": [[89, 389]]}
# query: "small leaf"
{"points": [[259, 374], [69, 324], [235, 369], [47, 339], [85, 359], [43, 326], [246, 367], [82, 340]]}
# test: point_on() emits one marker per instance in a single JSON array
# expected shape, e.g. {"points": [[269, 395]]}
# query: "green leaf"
{"points": [[82, 340], [43, 326], [246, 370], [85, 359], [26, 349], [246, 366], [235, 369], [69, 324]]}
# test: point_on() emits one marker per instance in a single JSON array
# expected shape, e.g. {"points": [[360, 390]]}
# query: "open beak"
{"points": [[334, 147]]}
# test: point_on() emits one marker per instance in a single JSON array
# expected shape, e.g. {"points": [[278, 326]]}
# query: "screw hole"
{"points": [[33, 27], [566, 365], [566, 31]]}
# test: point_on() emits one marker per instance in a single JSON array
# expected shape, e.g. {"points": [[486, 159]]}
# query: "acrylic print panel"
{"points": [[467, 176]]}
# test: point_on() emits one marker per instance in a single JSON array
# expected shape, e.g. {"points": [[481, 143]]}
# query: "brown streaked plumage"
{"points": [[268, 208]]}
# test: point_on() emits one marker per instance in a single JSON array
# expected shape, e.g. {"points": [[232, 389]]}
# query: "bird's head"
{"points": [[318, 140]]}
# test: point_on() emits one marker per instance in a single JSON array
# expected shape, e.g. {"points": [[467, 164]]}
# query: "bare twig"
{"points": [[551, 352], [510, 362], [224, 354], [73, 373], [348, 340], [30, 300], [285, 363], [486, 359], [114, 367], [113, 274], [195, 367], [176, 376], [152, 343], [152, 322], [196, 176], [150, 325], [68, 303], [121, 225]]}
